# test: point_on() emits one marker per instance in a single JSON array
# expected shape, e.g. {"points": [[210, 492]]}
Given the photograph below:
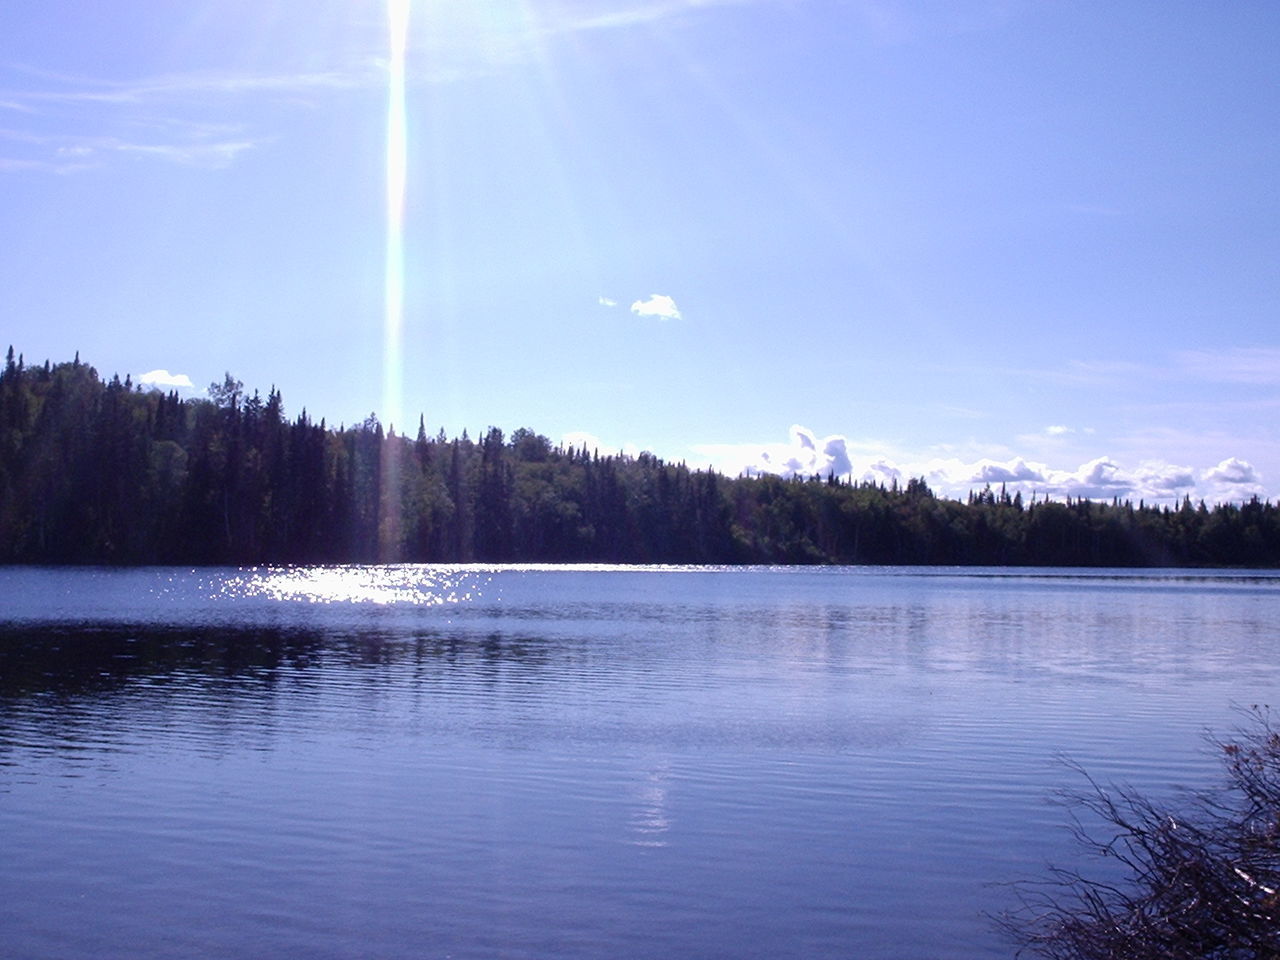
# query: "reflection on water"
{"points": [[75, 660], [418, 585], [550, 762], [651, 821]]}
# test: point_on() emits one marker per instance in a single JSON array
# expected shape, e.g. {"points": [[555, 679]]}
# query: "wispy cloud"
{"points": [[458, 41], [1092, 373], [1055, 435], [1256, 365], [1259, 365], [68, 123], [207, 155], [69, 154], [98, 114], [198, 86], [633, 15]]}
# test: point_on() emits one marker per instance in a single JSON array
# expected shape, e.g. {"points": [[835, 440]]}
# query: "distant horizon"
{"points": [[105, 471], [973, 242], [808, 456]]}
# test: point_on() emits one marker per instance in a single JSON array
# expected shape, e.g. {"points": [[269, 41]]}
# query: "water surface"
{"points": [[582, 762]]}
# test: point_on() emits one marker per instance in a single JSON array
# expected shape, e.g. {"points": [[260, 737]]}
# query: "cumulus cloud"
{"points": [[836, 453], [163, 378], [1100, 478], [1158, 477], [658, 305], [882, 472], [1232, 471], [804, 455], [1233, 479], [606, 302], [1016, 470]]}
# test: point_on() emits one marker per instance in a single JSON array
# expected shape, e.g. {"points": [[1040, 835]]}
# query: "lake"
{"points": [[571, 762]]}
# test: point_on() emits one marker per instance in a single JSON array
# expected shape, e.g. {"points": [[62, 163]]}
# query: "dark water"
{"points": [[431, 762]]}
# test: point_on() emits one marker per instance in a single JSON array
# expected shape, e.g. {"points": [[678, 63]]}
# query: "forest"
{"points": [[96, 471]]}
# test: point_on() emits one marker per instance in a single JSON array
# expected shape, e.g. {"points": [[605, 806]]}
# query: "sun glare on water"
{"points": [[373, 585]]}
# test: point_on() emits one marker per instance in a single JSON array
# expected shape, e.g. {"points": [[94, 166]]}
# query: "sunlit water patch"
{"points": [[385, 585]]}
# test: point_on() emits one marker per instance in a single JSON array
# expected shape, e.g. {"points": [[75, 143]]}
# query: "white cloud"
{"points": [[803, 455], [1100, 478], [658, 305], [606, 302], [163, 378], [1016, 470], [577, 439], [882, 472], [836, 454], [1233, 479], [1156, 476], [190, 86], [1057, 431], [1232, 471]]}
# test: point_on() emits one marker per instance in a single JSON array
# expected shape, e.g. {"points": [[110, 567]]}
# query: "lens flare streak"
{"points": [[396, 173]]}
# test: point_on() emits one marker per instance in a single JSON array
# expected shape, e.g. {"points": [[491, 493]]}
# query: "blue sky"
{"points": [[976, 241]]}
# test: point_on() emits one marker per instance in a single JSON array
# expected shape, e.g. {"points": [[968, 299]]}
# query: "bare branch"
{"points": [[1200, 882]]}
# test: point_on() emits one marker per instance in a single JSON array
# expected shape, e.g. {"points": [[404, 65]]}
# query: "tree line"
{"points": [[103, 471]]}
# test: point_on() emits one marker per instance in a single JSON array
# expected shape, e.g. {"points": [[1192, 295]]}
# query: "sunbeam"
{"points": [[397, 161], [393, 293]]}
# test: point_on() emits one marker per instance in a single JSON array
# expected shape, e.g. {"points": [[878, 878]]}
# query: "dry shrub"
{"points": [[1201, 882]]}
